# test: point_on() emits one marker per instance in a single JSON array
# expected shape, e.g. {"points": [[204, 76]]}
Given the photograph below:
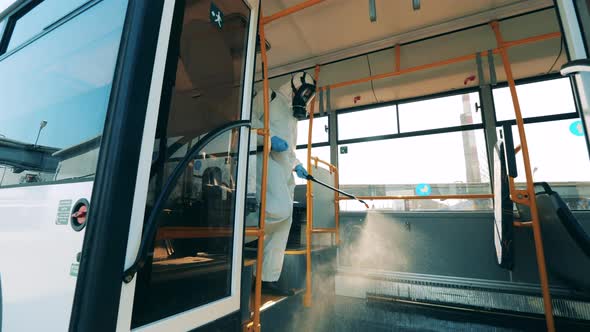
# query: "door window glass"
{"points": [[54, 95], [38, 16], [191, 261]]}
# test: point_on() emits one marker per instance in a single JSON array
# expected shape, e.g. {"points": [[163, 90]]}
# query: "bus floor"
{"points": [[339, 313]]}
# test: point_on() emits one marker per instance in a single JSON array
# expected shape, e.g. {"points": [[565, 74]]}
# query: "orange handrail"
{"points": [[414, 197], [529, 197], [266, 152], [333, 169], [253, 231], [522, 224], [440, 63], [317, 161], [325, 230], [188, 232], [310, 230], [528, 40], [309, 204], [337, 205]]}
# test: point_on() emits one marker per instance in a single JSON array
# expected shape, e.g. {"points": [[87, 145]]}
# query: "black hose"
{"points": [[311, 178], [151, 225]]}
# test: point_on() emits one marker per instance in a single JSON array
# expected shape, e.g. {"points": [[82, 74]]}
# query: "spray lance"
{"points": [[311, 178]]}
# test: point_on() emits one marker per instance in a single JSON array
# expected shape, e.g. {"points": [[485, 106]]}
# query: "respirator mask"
{"points": [[304, 87]]}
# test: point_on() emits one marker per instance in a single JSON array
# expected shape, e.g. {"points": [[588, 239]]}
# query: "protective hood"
{"points": [[301, 90]]}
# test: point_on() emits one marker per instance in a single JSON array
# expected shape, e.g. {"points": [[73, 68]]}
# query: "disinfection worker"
{"points": [[287, 105]]}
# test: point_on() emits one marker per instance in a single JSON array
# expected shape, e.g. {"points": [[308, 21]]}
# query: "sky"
{"points": [[5, 3]]}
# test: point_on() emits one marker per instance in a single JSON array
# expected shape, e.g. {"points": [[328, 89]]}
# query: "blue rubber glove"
{"points": [[301, 172], [278, 144]]}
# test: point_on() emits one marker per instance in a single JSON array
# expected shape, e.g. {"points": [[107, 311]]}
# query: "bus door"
{"points": [[183, 257]]}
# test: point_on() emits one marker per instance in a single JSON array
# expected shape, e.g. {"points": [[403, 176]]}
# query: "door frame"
{"points": [[204, 314], [103, 302], [576, 46], [98, 286]]}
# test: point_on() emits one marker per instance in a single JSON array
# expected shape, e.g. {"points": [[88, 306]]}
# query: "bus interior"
{"points": [[452, 120]]}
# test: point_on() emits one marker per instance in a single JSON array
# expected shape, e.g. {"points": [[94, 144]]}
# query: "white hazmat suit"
{"points": [[280, 183]]}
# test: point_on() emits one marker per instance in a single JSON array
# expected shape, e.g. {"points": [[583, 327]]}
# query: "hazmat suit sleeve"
{"points": [[293, 157], [292, 139], [258, 115], [287, 122]]}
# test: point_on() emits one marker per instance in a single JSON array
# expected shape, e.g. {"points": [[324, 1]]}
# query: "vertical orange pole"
{"points": [[309, 203], [266, 152], [336, 205], [529, 182]]}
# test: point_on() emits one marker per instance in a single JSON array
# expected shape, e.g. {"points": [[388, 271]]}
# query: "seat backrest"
{"points": [[567, 218], [566, 243]]}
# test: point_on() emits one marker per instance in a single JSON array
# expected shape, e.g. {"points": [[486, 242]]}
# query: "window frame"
{"points": [[11, 20], [316, 144], [396, 103], [395, 129], [425, 132], [539, 118], [532, 80], [11, 23], [497, 124], [327, 143]]}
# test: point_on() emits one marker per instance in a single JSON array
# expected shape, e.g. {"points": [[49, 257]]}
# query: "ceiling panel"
{"points": [[339, 24], [527, 60]]}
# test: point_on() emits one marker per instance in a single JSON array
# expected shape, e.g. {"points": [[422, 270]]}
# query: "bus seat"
{"points": [[566, 243]]}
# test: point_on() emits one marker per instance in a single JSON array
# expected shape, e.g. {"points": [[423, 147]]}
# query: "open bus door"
{"points": [[151, 237], [183, 257]]}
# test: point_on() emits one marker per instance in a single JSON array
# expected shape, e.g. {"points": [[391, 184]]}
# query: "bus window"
{"points": [[555, 139], [192, 258], [54, 95], [557, 156], [33, 18], [451, 111], [370, 122], [542, 98], [319, 132]]}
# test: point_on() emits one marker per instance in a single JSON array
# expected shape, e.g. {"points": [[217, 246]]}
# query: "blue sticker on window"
{"points": [[576, 128], [423, 189], [198, 165]]}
